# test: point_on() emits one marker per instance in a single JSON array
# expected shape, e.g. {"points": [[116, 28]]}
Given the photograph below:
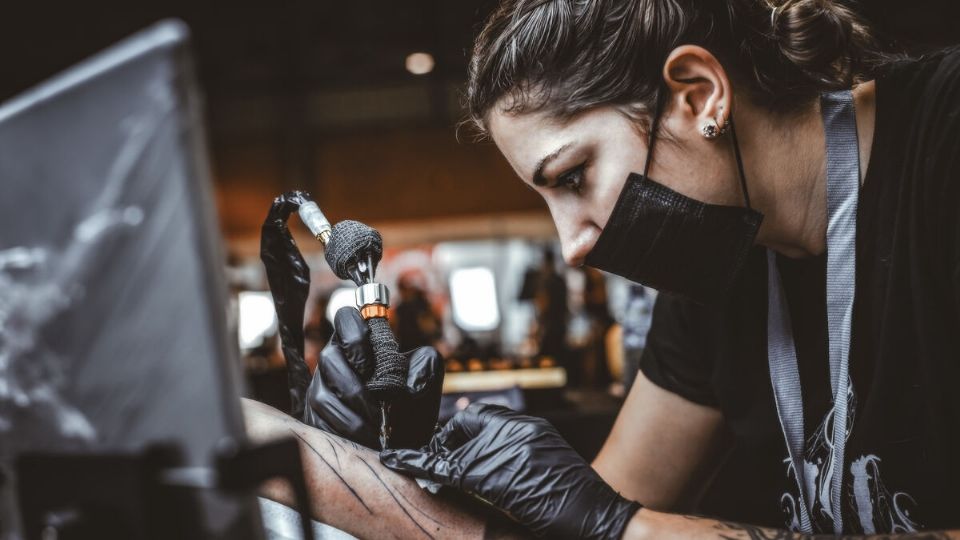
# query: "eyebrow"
{"points": [[538, 178]]}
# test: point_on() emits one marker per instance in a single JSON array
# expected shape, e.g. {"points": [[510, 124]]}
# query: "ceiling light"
{"points": [[420, 63]]}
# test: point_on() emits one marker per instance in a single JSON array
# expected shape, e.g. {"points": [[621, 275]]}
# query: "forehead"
{"points": [[524, 138]]}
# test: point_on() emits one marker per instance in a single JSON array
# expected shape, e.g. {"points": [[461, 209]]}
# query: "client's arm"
{"points": [[351, 491]]}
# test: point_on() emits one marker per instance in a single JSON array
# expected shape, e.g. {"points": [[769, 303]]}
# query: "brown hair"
{"points": [[567, 56]]}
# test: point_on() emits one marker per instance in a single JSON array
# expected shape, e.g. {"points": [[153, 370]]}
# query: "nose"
{"points": [[577, 230], [575, 251], [577, 238]]}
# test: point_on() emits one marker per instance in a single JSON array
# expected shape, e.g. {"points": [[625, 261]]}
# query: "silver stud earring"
{"points": [[710, 130]]}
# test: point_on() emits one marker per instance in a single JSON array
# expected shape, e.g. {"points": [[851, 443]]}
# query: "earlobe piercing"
{"points": [[710, 130]]}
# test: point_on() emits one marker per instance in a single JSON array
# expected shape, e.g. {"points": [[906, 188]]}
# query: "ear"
{"points": [[700, 89]]}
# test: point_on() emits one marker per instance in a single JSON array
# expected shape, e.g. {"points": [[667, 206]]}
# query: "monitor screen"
{"points": [[113, 328]]}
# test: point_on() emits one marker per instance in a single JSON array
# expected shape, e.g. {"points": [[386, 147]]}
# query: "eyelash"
{"points": [[572, 179]]}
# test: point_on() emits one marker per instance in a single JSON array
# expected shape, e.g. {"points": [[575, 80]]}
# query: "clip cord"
{"points": [[289, 278]]}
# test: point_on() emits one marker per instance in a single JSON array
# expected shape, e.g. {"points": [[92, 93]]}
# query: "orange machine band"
{"points": [[374, 310]]}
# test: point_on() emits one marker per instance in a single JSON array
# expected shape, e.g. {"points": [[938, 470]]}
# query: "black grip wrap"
{"points": [[350, 242], [390, 372]]}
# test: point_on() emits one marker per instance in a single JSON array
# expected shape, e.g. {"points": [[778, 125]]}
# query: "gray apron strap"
{"points": [[785, 374], [843, 185]]}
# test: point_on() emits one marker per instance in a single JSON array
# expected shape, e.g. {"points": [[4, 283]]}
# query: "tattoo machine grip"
{"points": [[353, 252], [390, 371]]}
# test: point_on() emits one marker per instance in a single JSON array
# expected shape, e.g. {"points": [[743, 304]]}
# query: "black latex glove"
{"points": [[339, 403], [521, 465], [289, 278]]}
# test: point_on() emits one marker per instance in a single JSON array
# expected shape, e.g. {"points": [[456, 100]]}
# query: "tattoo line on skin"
{"points": [[335, 454], [341, 441], [421, 512], [390, 492], [335, 472]]}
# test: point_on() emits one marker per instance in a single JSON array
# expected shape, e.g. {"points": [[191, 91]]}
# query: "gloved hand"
{"points": [[521, 465], [339, 403]]}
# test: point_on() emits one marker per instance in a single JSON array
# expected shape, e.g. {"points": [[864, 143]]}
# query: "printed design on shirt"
{"points": [[871, 506]]}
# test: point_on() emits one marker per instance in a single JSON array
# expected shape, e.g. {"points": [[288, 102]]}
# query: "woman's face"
{"points": [[579, 166]]}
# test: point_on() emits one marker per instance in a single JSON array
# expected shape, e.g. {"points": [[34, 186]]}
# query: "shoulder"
{"points": [[686, 321], [676, 355], [918, 118], [921, 69], [689, 344], [917, 93], [944, 66]]}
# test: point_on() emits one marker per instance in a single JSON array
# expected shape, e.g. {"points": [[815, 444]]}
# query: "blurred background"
{"points": [[359, 104]]}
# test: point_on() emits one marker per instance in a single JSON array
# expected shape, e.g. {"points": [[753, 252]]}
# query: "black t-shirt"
{"points": [[902, 469]]}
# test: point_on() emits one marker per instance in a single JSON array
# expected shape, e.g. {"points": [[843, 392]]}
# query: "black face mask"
{"points": [[660, 238]]}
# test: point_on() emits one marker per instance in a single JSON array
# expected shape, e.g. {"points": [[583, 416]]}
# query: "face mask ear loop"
{"points": [[654, 126], [736, 153]]}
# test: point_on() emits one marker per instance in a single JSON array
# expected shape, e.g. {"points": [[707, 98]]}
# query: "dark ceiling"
{"points": [[255, 56], [250, 48], [266, 47]]}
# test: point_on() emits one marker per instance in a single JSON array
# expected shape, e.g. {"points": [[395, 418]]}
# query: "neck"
{"points": [[785, 164]]}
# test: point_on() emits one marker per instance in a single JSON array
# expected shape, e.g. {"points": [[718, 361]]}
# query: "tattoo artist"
{"points": [[793, 192]]}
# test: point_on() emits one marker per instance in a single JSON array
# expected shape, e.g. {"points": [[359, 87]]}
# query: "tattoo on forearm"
{"points": [[334, 450], [334, 471], [394, 497], [340, 441], [419, 511], [736, 531], [739, 531]]}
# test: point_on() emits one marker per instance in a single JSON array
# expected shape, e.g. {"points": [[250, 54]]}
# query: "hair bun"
{"points": [[822, 38]]}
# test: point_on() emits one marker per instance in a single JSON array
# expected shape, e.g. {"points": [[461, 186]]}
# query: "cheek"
{"points": [[704, 170], [571, 214], [563, 210], [605, 196]]}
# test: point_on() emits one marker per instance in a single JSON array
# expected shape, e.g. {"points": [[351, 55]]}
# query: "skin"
{"points": [[351, 491], [661, 443]]}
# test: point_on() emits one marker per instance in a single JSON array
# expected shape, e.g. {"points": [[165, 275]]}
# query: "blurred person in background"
{"points": [[266, 373], [587, 332], [416, 324], [552, 312], [597, 373]]}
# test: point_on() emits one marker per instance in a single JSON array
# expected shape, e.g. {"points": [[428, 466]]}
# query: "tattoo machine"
{"points": [[353, 251]]}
